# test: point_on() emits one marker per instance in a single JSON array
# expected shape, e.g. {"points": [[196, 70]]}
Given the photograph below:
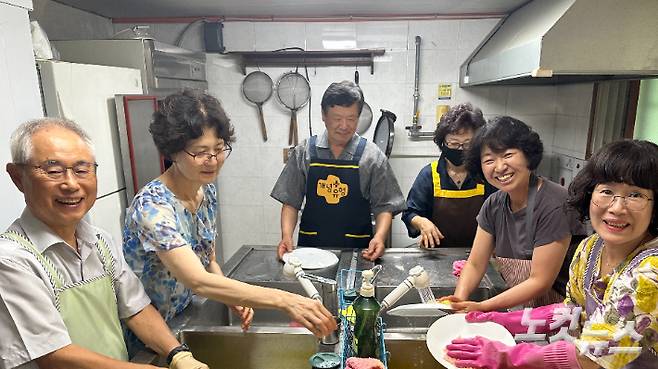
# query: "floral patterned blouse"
{"points": [[627, 294], [157, 221]]}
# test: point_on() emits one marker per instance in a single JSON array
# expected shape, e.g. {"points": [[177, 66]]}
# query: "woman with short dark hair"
{"points": [[170, 227], [613, 277], [524, 225], [445, 197]]}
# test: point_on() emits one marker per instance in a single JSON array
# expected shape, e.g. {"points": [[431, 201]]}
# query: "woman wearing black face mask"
{"points": [[445, 199]]}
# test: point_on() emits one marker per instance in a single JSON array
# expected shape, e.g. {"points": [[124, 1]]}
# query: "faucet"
{"points": [[328, 298], [418, 278]]}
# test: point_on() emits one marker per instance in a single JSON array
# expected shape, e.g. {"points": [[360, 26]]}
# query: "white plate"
{"points": [[449, 327], [436, 309], [312, 258]]}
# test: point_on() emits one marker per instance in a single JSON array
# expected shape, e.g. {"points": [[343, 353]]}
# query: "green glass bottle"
{"points": [[366, 310]]}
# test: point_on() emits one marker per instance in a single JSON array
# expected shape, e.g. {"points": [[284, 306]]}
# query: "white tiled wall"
{"points": [[249, 215], [573, 105]]}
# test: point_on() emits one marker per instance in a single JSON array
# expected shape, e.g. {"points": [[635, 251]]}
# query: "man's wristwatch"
{"points": [[176, 350]]}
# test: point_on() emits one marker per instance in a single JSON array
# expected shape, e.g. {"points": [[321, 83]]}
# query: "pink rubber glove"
{"points": [[479, 352], [457, 267], [512, 320]]}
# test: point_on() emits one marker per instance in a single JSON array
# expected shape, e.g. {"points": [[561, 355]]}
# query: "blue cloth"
{"points": [[157, 221], [420, 200]]}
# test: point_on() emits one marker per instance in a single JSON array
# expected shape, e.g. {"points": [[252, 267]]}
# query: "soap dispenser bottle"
{"points": [[366, 310]]}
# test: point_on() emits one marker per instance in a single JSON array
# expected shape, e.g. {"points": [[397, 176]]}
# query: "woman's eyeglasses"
{"points": [[204, 157], [634, 201], [458, 145]]}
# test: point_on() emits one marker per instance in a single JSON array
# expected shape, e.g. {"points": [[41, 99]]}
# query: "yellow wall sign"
{"points": [[445, 91], [440, 110], [332, 189]]}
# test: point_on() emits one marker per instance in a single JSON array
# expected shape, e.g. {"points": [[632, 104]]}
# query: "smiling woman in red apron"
{"points": [[524, 225], [613, 281], [445, 198]]}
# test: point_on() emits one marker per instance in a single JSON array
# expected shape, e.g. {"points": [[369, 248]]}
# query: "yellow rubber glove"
{"points": [[185, 360]]}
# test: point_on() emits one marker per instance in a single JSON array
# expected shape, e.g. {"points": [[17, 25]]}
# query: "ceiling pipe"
{"points": [[310, 19]]}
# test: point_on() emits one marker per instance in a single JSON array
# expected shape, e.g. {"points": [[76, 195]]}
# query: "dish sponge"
{"points": [[364, 363]]}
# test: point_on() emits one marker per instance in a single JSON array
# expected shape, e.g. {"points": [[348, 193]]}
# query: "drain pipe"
{"points": [[416, 83], [415, 129]]}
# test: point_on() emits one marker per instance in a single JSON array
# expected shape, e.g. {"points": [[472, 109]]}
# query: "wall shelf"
{"points": [[361, 57]]}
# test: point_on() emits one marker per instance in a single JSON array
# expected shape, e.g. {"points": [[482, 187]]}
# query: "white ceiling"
{"points": [[291, 8]]}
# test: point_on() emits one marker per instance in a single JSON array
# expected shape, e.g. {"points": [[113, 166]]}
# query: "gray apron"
{"points": [[648, 357], [88, 308]]}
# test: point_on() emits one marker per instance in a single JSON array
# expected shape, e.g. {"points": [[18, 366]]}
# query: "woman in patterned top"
{"points": [[613, 281], [170, 227]]}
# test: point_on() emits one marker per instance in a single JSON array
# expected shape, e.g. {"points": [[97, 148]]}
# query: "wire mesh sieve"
{"points": [[293, 91], [257, 88]]}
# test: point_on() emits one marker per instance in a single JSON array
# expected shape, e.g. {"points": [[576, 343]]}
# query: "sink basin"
{"points": [[259, 266], [284, 348], [259, 348], [409, 351], [215, 337]]}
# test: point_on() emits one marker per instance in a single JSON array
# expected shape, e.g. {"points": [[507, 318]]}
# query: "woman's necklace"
{"points": [[457, 177], [192, 204]]}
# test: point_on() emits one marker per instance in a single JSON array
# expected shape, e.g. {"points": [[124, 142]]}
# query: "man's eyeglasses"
{"points": [[204, 157], [634, 201], [458, 145], [57, 171]]}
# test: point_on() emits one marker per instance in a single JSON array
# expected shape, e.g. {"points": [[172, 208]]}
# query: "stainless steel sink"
{"points": [[259, 348], [409, 351], [258, 265], [396, 264], [215, 336], [284, 348]]}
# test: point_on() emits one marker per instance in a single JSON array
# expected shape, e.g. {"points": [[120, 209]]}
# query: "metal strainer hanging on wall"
{"points": [[293, 91], [257, 88]]}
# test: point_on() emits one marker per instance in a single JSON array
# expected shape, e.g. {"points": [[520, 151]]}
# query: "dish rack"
{"points": [[347, 318]]}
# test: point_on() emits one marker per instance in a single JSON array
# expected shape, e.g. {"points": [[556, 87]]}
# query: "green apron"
{"points": [[88, 308]]}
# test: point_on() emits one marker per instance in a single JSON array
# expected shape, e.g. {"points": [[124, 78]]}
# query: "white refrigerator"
{"points": [[85, 93]]}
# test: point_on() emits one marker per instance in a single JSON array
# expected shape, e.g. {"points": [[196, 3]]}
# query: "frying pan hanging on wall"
{"points": [[365, 119], [385, 132], [293, 91]]}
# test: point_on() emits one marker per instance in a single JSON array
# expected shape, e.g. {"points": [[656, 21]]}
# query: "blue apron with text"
{"points": [[336, 214]]}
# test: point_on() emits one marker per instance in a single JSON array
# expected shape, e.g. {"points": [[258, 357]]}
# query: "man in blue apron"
{"points": [[64, 285], [344, 180]]}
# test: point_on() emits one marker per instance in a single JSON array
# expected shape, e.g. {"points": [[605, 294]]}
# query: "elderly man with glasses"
{"points": [[64, 284]]}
